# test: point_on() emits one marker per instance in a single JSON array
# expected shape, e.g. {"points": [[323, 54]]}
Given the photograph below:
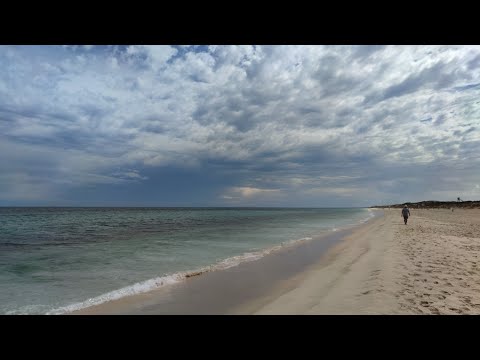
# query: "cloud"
{"points": [[130, 175], [339, 191], [250, 191], [262, 122], [249, 196]]}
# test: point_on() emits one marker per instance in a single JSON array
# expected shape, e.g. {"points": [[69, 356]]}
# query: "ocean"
{"points": [[55, 260]]}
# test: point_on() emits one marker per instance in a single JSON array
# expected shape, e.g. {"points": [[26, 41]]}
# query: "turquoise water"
{"points": [[57, 259]]}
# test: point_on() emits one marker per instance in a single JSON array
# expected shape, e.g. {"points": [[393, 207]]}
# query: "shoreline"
{"points": [[428, 266], [383, 266], [236, 286]]}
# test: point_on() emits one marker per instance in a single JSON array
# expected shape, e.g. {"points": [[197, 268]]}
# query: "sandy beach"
{"points": [[382, 267], [429, 266]]}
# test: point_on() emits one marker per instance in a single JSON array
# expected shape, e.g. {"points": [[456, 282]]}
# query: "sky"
{"points": [[299, 126]]}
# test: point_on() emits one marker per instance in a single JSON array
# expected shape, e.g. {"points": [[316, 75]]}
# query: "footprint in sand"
{"points": [[458, 311]]}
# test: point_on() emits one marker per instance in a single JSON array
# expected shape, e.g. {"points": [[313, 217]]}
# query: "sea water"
{"points": [[54, 260]]}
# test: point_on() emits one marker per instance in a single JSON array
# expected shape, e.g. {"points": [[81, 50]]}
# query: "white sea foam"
{"points": [[371, 214], [28, 309], [137, 288], [155, 283]]}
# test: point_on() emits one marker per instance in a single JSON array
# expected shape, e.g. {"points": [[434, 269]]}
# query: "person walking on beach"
{"points": [[405, 214]]}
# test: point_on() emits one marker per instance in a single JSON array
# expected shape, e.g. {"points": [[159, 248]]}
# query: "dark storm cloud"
{"points": [[284, 125]]}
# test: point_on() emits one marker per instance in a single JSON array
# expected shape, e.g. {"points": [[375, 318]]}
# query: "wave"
{"points": [[169, 279]]}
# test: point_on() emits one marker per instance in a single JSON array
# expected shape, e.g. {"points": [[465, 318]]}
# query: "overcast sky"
{"points": [[306, 126]]}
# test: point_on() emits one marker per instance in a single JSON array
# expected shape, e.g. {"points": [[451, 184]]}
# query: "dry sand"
{"points": [[429, 266]]}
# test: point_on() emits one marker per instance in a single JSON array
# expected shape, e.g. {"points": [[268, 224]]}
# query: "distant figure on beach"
{"points": [[405, 214]]}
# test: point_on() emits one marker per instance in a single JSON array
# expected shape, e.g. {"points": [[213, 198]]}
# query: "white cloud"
{"points": [[156, 55], [129, 175], [292, 117], [250, 191]]}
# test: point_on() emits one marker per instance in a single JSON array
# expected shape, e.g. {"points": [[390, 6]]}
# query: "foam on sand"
{"points": [[169, 279]]}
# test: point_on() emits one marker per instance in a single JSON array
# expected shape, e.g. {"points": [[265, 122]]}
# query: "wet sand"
{"points": [[238, 290], [429, 266]]}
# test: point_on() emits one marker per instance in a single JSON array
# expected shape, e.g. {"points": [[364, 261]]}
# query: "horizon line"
{"points": [[167, 207]]}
